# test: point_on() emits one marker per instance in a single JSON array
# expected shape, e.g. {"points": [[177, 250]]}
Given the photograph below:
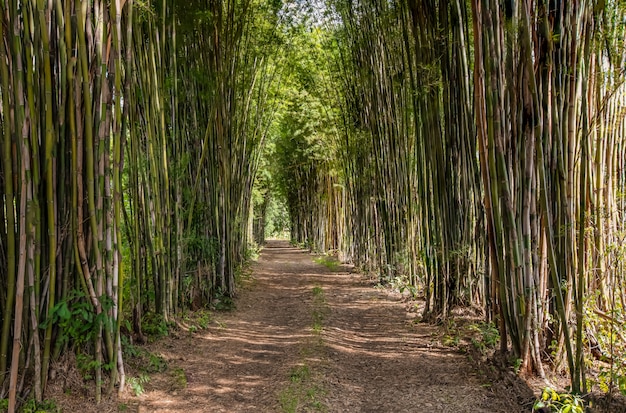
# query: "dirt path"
{"points": [[305, 338]]}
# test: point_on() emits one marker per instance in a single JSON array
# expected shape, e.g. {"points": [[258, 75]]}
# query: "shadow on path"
{"points": [[369, 357]]}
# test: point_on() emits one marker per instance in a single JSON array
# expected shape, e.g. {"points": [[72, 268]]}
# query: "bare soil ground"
{"points": [[304, 337]]}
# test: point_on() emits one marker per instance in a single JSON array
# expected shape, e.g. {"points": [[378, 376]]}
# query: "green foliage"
{"points": [[243, 272], [154, 325], [320, 309], [302, 392], [137, 384], [609, 378], [277, 219], [179, 378], [198, 320], [200, 247], [329, 262], [129, 350], [223, 301], [77, 319], [156, 363], [302, 151], [318, 292], [87, 365], [402, 283], [605, 334], [31, 406], [559, 402], [300, 374], [489, 336], [204, 319], [450, 340], [142, 359], [452, 335], [288, 400], [252, 253]]}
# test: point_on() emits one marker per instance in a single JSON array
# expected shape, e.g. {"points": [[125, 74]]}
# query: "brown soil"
{"points": [[305, 338]]}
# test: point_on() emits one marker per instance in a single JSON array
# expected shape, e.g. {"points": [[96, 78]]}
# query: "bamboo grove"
{"points": [[471, 151], [479, 161], [130, 141], [304, 145]]}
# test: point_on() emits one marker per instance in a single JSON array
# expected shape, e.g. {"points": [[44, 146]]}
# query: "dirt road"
{"points": [[307, 338]]}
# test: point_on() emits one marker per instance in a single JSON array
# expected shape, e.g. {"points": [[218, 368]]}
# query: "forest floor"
{"points": [[308, 337]]}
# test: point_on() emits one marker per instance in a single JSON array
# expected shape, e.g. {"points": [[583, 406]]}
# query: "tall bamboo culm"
{"points": [[98, 147], [59, 178]]}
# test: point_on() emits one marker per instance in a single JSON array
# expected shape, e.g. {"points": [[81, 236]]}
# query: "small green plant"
{"points": [[328, 262], [288, 400], [318, 292], [301, 392], [154, 325], [479, 345], [87, 365], [252, 252], [402, 284], [204, 320], [559, 402], [137, 384], [489, 336], [222, 301], [180, 378], [129, 349], [199, 320], [319, 309], [317, 327], [46, 406], [611, 378], [450, 340], [451, 337], [142, 359], [299, 374], [156, 363], [517, 364]]}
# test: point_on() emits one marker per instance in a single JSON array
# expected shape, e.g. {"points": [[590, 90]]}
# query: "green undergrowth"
{"points": [[178, 379], [136, 384], [327, 261], [553, 401], [197, 320], [319, 309], [142, 364], [302, 393], [140, 359], [31, 406], [480, 335]]}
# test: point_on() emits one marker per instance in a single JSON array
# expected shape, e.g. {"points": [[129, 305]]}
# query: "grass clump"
{"points": [[179, 379], [328, 262], [320, 309], [302, 392]]}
